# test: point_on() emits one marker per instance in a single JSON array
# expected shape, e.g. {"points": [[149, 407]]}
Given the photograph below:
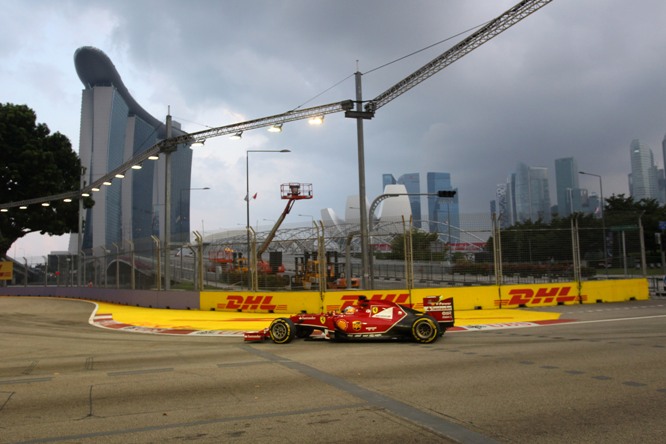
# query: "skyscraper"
{"points": [[502, 206], [531, 194], [115, 128], [566, 183], [388, 179], [643, 180], [412, 182], [443, 212]]}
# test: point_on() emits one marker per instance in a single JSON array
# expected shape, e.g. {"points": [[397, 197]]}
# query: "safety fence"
{"points": [[402, 254]]}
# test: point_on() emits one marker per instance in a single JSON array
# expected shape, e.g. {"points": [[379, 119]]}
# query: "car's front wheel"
{"points": [[425, 330], [281, 330]]}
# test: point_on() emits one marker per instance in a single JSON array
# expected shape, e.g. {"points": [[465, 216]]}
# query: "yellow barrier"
{"points": [[261, 302], [6, 270], [465, 298]]}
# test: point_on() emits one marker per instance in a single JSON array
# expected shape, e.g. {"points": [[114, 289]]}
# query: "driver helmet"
{"points": [[349, 310]]}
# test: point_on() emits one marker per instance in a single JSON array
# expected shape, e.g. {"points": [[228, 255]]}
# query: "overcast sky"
{"points": [[578, 78]]}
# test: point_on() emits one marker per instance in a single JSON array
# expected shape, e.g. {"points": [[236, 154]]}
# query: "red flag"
{"points": [[255, 196]]}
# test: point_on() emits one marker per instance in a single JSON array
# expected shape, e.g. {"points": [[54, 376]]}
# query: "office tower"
{"points": [[502, 205], [388, 179], [412, 183], [569, 194], [115, 128], [643, 180], [532, 196], [443, 212]]}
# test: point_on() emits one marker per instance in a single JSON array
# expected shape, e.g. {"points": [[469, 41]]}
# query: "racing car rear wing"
{"points": [[440, 309]]}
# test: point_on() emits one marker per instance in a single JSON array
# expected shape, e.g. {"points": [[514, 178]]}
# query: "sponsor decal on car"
{"points": [[387, 313], [341, 324]]}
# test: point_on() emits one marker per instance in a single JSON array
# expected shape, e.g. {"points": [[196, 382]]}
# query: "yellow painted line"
{"points": [[504, 315], [185, 319]]}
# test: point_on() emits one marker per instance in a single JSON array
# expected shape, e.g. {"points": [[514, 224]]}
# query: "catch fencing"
{"points": [[402, 254]]}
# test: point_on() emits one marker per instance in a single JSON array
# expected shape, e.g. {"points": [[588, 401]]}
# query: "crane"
{"points": [[487, 32], [290, 192]]}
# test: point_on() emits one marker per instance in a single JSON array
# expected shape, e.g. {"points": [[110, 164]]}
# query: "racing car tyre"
{"points": [[281, 330], [425, 330]]}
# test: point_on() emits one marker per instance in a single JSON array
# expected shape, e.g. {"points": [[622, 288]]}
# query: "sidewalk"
{"points": [[218, 323]]}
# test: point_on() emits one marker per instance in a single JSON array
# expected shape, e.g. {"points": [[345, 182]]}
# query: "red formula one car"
{"points": [[365, 319]]}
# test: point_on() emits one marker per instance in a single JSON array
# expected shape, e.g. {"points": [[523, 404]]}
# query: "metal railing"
{"points": [[481, 254]]}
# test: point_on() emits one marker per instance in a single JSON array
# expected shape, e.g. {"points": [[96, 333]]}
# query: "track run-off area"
{"points": [[229, 323]]}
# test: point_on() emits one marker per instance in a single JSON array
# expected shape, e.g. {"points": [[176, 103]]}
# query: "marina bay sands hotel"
{"points": [[115, 128]]}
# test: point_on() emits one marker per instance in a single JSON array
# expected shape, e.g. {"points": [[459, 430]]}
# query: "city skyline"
{"points": [[543, 89]]}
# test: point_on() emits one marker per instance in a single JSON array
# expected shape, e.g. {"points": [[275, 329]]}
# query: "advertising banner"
{"points": [[465, 298]]}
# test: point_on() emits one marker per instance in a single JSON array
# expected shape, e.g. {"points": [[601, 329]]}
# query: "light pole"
{"points": [[180, 210], [570, 196], [307, 215], [312, 227], [247, 197], [601, 209]]}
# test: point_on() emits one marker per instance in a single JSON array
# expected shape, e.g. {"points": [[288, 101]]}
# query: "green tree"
{"points": [[421, 245], [34, 163], [622, 211]]}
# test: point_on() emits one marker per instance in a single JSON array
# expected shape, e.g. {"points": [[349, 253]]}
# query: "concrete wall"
{"points": [[182, 300]]}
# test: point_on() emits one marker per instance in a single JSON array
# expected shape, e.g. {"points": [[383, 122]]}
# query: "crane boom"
{"points": [[487, 32], [290, 192]]}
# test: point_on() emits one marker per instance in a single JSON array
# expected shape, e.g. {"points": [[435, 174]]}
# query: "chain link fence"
{"points": [[480, 252]]}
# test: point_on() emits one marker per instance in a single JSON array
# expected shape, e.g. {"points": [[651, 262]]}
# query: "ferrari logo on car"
{"points": [[356, 325], [386, 313]]}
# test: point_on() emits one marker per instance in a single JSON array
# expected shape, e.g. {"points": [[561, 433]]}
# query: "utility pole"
{"points": [[167, 204], [361, 183]]}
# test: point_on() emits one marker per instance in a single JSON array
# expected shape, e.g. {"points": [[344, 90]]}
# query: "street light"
{"points": [[307, 215], [247, 195], [601, 206]]}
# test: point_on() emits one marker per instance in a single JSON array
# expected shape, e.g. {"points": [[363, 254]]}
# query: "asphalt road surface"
{"points": [[598, 379]]}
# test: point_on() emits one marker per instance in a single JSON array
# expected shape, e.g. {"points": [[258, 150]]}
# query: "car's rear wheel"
{"points": [[425, 330], [281, 330]]}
